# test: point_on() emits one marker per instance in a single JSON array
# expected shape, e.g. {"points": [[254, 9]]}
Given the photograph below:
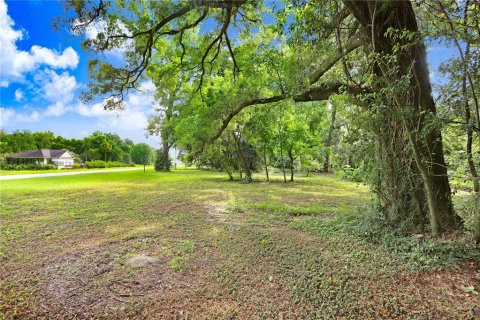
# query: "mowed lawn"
{"points": [[225, 250], [18, 172]]}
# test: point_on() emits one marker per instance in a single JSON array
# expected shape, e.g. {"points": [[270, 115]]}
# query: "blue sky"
{"points": [[43, 71]]}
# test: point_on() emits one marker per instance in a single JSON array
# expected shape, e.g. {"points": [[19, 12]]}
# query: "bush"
{"points": [[95, 164], [28, 166], [115, 164], [76, 165], [103, 164], [353, 174]]}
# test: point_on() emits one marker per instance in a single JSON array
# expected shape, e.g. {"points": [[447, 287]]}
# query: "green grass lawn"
{"points": [[225, 250], [15, 172]]}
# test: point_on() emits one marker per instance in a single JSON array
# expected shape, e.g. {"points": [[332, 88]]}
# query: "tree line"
{"points": [[97, 146]]}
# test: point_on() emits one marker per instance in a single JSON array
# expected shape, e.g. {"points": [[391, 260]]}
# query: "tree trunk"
{"points": [[290, 155], [246, 164], [283, 162], [376, 17], [248, 173], [476, 226], [471, 163], [328, 142], [228, 171], [165, 153], [397, 182], [265, 161], [433, 213]]}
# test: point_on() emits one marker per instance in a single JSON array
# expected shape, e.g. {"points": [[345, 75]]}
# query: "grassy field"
{"points": [[225, 250], [15, 172]]}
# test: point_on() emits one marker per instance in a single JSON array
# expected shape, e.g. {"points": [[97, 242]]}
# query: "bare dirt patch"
{"points": [[99, 282]]}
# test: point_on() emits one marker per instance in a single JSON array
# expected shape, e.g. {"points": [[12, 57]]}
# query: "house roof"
{"points": [[44, 153]]}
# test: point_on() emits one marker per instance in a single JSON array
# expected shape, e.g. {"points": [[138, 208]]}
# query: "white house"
{"points": [[60, 158]]}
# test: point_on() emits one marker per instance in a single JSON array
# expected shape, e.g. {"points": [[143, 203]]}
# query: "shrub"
{"points": [[28, 166], [353, 174], [115, 164], [103, 164], [95, 164], [47, 167], [76, 165]]}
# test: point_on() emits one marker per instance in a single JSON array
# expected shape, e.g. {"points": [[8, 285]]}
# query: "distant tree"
{"points": [[142, 154]]}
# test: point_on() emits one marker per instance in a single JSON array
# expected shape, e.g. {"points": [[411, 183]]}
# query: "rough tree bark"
{"points": [[471, 163], [328, 142], [376, 17]]}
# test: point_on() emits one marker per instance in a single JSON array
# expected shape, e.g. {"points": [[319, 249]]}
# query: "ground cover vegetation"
{"points": [[218, 249], [269, 95], [244, 85]]}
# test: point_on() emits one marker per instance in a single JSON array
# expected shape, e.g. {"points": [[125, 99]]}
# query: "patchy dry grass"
{"points": [[225, 250]]}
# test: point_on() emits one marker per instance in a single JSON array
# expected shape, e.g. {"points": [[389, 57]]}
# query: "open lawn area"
{"points": [[216, 250], [16, 172]]}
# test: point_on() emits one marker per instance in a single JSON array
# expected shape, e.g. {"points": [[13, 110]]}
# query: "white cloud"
{"points": [[138, 106], [14, 63], [34, 116], [127, 120], [27, 61], [19, 95], [55, 110], [132, 118], [8, 115], [95, 110], [58, 88]]}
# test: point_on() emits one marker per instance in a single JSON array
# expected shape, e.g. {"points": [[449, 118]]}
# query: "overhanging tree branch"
{"points": [[319, 93], [354, 43]]}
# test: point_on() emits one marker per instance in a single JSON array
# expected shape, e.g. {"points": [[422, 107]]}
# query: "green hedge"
{"points": [[95, 164], [113, 164], [103, 164], [28, 166]]}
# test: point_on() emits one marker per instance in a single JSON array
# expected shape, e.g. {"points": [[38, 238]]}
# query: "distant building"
{"points": [[60, 158]]}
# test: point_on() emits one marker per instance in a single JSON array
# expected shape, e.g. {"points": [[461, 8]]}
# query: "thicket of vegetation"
{"points": [[98, 150], [307, 84]]}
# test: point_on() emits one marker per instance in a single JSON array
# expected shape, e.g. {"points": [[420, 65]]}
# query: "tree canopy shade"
{"points": [[215, 61]]}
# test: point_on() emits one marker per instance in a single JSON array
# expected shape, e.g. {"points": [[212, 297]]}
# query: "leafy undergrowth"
{"points": [[223, 250]]}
